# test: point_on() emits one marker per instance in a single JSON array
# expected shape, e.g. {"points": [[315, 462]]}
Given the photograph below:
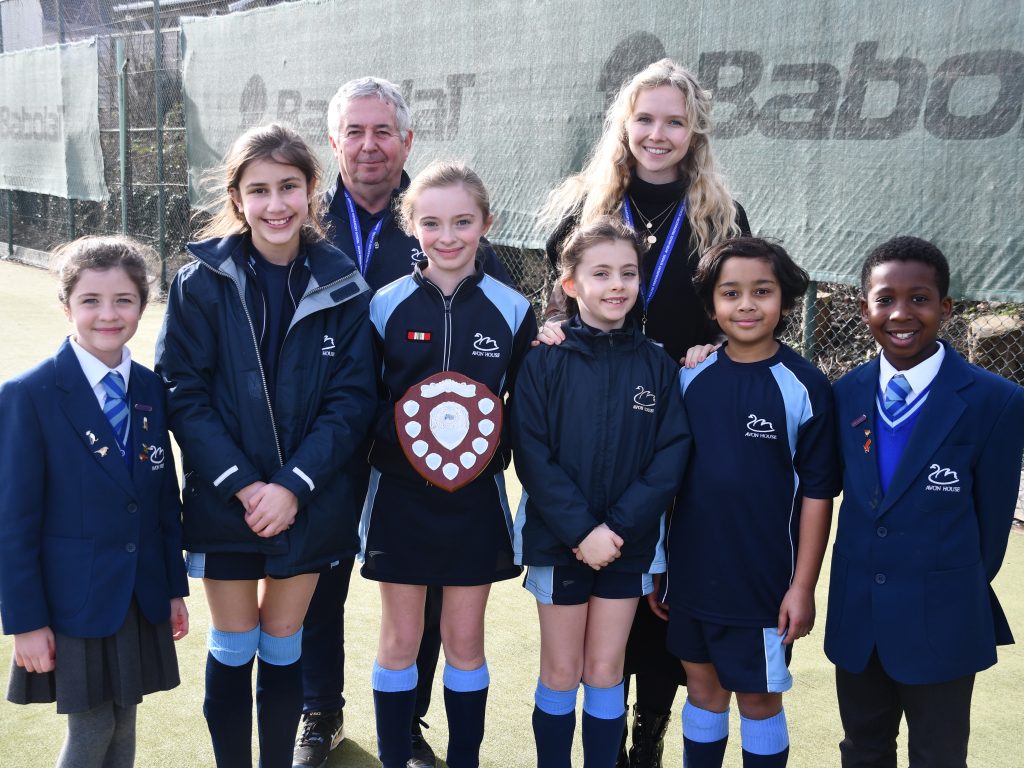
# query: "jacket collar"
{"points": [[333, 201], [461, 291], [580, 337], [229, 256]]}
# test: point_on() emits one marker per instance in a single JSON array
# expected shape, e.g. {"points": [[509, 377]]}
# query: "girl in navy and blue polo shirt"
{"points": [[446, 316], [267, 358], [601, 439]]}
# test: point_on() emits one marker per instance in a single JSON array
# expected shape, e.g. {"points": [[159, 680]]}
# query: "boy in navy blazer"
{"points": [[931, 449]]}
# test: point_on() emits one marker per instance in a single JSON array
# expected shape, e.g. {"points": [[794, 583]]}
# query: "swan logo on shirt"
{"points": [[327, 350], [485, 346], [644, 400], [760, 428], [418, 257], [943, 479]]}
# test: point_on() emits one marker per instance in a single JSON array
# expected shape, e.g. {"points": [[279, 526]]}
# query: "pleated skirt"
{"points": [[136, 660]]}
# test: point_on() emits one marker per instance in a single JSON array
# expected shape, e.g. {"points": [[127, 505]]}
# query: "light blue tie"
{"points": [[895, 399], [115, 408]]}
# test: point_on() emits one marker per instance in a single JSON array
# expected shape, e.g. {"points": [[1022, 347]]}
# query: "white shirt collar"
{"points": [[95, 369], [918, 377]]}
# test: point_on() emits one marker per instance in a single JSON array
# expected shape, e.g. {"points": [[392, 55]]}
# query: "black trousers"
{"points": [[871, 705], [323, 644]]}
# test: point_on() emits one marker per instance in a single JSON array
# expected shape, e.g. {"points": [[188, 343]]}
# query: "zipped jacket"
{"points": [[232, 432], [600, 436], [482, 330]]}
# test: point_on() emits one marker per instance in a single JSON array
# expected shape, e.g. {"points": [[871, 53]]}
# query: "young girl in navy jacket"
{"points": [[600, 438], [267, 358], [91, 573], [446, 316]]}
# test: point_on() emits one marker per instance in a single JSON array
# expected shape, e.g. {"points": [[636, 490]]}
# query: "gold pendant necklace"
{"points": [[652, 229]]}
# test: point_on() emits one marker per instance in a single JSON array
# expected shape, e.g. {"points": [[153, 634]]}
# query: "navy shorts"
{"points": [[229, 566], [575, 584], [746, 659]]}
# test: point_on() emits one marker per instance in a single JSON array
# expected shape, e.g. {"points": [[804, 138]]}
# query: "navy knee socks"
{"points": [[394, 702], [554, 723], [465, 702]]}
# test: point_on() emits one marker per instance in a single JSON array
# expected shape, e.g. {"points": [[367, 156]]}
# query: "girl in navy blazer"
{"points": [[91, 574], [267, 357]]}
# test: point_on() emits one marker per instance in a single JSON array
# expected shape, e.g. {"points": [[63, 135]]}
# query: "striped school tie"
{"points": [[115, 408], [895, 399]]}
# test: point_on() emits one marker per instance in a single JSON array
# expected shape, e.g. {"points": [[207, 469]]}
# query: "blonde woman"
{"points": [[654, 166]]}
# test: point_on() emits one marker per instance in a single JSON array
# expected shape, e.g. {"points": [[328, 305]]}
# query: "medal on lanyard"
{"points": [[364, 251], [666, 250]]}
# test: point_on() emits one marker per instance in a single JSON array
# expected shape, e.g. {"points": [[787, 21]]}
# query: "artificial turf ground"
{"points": [[172, 732]]}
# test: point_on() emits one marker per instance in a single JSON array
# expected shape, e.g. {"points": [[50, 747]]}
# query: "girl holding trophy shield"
{"points": [[450, 340]]}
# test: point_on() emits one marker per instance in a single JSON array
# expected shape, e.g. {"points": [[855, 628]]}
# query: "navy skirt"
{"points": [[138, 659], [416, 533]]}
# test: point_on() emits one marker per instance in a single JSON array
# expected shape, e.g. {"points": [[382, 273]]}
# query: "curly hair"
{"points": [[598, 189]]}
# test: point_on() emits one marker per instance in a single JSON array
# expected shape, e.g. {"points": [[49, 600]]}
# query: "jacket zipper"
{"points": [[259, 361], [447, 301]]}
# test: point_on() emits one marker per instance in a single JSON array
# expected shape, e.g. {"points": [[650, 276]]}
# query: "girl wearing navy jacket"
{"points": [[266, 355], [446, 316], [91, 575], [654, 167], [600, 438]]}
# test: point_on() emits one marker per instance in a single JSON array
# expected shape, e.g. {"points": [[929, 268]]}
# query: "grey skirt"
{"points": [[138, 659]]}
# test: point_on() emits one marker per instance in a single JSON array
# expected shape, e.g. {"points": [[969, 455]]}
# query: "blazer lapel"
{"points": [[937, 417], [145, 453], [79, 404], [858, 432]]}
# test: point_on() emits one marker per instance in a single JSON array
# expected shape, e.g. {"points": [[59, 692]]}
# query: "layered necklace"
{"points": [[656, 222]]}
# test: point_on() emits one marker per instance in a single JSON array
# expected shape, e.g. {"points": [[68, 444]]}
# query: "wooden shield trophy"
{"points": [[449, 427]]}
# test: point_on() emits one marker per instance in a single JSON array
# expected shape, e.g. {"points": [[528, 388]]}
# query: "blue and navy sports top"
{"points": [[763, 439]]}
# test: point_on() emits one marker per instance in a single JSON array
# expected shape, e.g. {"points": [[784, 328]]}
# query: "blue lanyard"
{"points": [[364, 252], [666, 250]]}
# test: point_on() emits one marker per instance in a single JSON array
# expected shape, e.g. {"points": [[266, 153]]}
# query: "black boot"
{"points": [[648, 738]]}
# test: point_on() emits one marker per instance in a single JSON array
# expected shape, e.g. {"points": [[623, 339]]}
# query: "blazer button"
{"points": [[882, 531], [129, 547], [133, 508], [879, 578]]}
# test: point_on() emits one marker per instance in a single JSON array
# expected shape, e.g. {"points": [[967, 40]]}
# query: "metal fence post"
{"points": [[810, 320], [122, 128], [160, 214], [62, 38]]}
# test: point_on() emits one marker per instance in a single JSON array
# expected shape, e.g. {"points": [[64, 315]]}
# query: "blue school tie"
{"points": [[115, 408], [895, 398]]}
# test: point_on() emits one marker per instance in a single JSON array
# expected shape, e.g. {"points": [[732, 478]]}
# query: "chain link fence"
{"points": [[142, 124]]}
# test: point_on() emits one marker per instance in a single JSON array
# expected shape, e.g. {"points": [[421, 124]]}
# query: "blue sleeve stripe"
{"points": [[797, 400], [687, 375], [517, 537], [384, 302], [514, 307]]}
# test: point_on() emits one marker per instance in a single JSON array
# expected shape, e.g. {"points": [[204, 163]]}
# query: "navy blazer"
{"points": [[79, 533], [912, 568]]}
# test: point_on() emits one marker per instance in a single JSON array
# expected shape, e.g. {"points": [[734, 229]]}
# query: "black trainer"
{"points": [[422, 754], [320, 732]]}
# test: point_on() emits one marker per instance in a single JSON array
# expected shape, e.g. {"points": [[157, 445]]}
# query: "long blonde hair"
{"points": [[599, 188]]}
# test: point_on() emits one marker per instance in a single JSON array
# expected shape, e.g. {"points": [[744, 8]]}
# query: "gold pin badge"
{"points": [[102, 452]]}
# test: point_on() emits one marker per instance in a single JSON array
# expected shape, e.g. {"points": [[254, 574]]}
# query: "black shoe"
{"points": [[422, 754], [648, 738], [320, 733]]}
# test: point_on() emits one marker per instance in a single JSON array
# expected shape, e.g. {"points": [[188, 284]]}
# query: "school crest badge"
{"points": [[449, 427]]}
